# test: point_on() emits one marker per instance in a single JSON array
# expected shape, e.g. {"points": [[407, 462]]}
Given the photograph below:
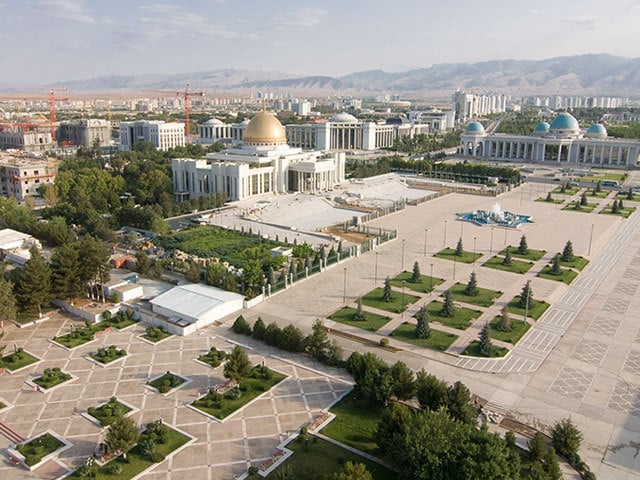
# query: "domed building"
{"points": [[561, 141], [262, 163]]}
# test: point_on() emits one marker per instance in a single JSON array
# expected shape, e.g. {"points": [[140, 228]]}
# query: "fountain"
{"points": [[495, 216]]}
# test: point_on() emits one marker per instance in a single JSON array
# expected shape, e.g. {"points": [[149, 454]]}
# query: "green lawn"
{"points": [[484, 298], [120, 321], [250, 388], [450, 254], [536, 308], [371, 322], [533, 255], [107, 413], [107, 355], [317, 458], [213, 357], [81, 335], [437, 340], [397, 304], [519, 328], [552, 202], [578, 263], [473, 350], [38, 448], [588, 208], [625, 212], [155, 334], [600, 194], [167, 382], [51, 377], [355, 424], [567, 190], [618, 177], [635, 196], [462, 319], [566, 275], [517, 266], [27, 317], [136, 461], [425, 285], [17, 360]]}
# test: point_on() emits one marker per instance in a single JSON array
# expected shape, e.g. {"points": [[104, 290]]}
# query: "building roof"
{"points": [[596, 130], [541, 127], [265, 128], [11, 238], [475, 127], [343, 117], [213, 121], [565, 121], [194, 300]]}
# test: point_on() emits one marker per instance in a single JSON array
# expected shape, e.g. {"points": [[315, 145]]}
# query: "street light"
{"points": [[461, 228], [474, 252], [344, 290], [591, 238], [376, 269], [505, 235], [403, 254], [491, 243], [444, 238], [454, 266], [402, 301], [426, 230], [431, 282]]}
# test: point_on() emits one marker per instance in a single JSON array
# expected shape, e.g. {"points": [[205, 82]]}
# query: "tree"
{"points": [[459, 403], [8, 309], [448, 307], [65, 272], [193, 273], [523, 248], [359, 315], [459, 248], [432, 392], [583, 199], [629, 194], [34, 285], [614, 207], [293, 340], [415, 275], [526, 296], [507, 258], [404, 385], [599, 186], [620, 205], [551, 465], [486, 345], [537, 448], [259, 329], [549, 197], [567, 252], [122, 434], [387, 295], [556, 268], [318, 341], [241, 326], [354, 471], [472, 286], [422, 328], [237, 366], [505, 324], [94, 265], [566, 438], [143, 264]]}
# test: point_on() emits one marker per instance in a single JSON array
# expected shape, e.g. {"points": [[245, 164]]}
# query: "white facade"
{"points": [[163, 136], [21, 176], [469, 105], [37, 140], [85, 132]]}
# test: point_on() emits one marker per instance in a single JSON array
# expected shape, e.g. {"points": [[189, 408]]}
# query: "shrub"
{"points": [[241, 326], [384, 342], [114, 468], [156, 457]]}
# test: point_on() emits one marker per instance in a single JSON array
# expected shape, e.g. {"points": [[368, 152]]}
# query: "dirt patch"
{"points": [[353, 237]]}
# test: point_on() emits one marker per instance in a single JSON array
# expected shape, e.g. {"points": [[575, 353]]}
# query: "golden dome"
{"points": [[265, 128]]}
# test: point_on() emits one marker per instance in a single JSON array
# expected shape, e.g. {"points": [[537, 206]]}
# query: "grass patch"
{"points": [[213, 357], [436, 340], [578, 263], [155, 334], [624, 212], [28, 317], [618, 177], [110, 411], [566, 275], [517, 266], [600, 194], [371, 321], [17, 360], [355, 424], [533, 255], [484, 298], [261, 380], [136, 460], [588, 208], [473, 350], [461, 321], [52, 377], [38, 448], [425, 285], [106, 355], [553, 201], [624, 195], [519, 328], [450, 254], [167, 382], [567, 190], [120, 320], [317, 458], [536, 307], [397, 304], [82, 335]]}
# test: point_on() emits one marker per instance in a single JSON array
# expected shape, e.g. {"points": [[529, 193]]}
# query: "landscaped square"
{"points": [[536, 308], [38, 448], [462, 319], [485, 297], [155, 334], [52, 377], [553, 201], [624, 195], [221, 405], [370, 321], [106, 355], [473, 350], [398, 303], [624, 212], [436, 340], [517, 266], [450, 254], [565, 190], [167, 382], [588, 208], [213, 357], [120, 320], [108, 412], [425, 285], [17, 360], [578, 263], [75, 338], [566, 275], [533, 255], [518, 329]]}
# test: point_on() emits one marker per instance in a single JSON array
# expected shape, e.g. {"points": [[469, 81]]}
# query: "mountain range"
{"points": [[594, 74]]}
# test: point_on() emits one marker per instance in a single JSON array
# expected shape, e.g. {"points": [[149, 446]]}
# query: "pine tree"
{"points": [[567, 252], [422, 328], [486, 345], [238, 365], [526, 296], [471, 289], [614, 207], [555, 265], [387, 295], [583, 199], [523, 248], [8, 307], [359, 315], [505, 324], [551, 465], [620, 205], [415, 276], [94, 265], [630, 194], [549, 197], [537, 448], [34, 287], [448, 307], [507, 261], [143, 265], [459, 248], [258, 329], [599, 187], [65, 272]]}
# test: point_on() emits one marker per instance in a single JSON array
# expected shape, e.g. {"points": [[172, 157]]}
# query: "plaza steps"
{"points": [[10, 433]]}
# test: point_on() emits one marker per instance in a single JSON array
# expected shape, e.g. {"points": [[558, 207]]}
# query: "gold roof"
{"points": [[265, 128]]}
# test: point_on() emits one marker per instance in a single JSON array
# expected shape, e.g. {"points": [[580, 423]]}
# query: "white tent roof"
{"points": [[194, 300]]}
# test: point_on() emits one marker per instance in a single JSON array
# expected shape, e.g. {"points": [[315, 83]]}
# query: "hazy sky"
{"points": [[55, 40]]}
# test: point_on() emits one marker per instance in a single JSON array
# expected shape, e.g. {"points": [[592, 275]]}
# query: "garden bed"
{"points": [[371, 321], [398, 303], [624, 212], [51, 377], [588, 208], [155, 334], [536, 308], [578, 263], [436, 340], [213, 357], [566, 275], [424, 285], [485, 297], [106, 355], [35, 450], [517, 266], [461, 320], [473, 350], [106, 413], [167, 382], [450, 254], [533, 255], [518, 329], [17, 360]]}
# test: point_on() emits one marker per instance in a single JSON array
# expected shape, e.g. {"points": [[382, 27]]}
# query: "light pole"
{"points": [[376, 270], [591, 238], [426, 230], [444, 238], [526, 306], [402, 268], [344, 290], [454, 266], [505, 235], [491, 243], [402, 301], [474, 253], [461, 227], [431, 282]]}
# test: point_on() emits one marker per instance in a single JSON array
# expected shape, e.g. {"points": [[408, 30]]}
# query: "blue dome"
{"points": [[475, 127], [541, 127], [564, 121], [596, 130]]}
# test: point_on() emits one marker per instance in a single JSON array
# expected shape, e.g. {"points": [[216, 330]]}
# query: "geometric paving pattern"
{"points": [[631, 274], [616, 305], [591, 352], [606, 327], [632, 362], [626, 288], [625, 398], [572, 383]]}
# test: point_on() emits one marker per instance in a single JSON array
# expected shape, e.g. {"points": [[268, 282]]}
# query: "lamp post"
{"points": [[431, 282], [402, 267], [375, 274], [474, 252], [454, 266], [591, 238], [505, 235], [444, 238], [526, 306], [344, 290], [491, 243], [426, 230], [461, 228], [402, 301]]}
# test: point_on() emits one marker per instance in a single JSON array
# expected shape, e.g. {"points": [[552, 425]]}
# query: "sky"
{"points": [[56, 40]]}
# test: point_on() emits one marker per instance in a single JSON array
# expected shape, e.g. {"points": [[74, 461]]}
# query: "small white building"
{"points": [[14, 246], [161, 134]]}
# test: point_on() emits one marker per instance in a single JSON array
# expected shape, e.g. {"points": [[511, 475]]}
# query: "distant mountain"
{"points": [[583, 74]]}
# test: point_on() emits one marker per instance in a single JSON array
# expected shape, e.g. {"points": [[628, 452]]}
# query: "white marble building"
{"points": [[161, 134]]}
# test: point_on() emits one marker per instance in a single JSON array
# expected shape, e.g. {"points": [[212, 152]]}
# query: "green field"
{"points": [[425, 285], [618, 177], [473, 350], [536, 308], [462, 319], [635, 196], [167, 382], [437, 340], [485, 297], [398, 303], [588, 208], [450, 254], [107, 413], [155, 334], [566, 275], [371, 321], [519, 328], [533, 255], [17, 360], [517, 266]]}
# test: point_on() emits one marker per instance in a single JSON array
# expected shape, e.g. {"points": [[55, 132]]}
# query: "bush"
{"points": [[156, 457], [384, 342], [114, 468], [241, 326], [252, 470]]}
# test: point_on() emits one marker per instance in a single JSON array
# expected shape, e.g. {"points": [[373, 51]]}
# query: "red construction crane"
{"points": [[188, 94], [52, 108]]}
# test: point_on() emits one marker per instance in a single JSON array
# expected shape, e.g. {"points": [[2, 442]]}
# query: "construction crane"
{"points": [[188, 94], [52, 108]]}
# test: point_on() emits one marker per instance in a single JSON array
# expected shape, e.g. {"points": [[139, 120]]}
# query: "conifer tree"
{"points": [[555, 265], [614, 207], [448, 307], [549, 197], [567, 252], [472, 286], [34, 287], [8, 307], [507, 261], [415, 275], [583, 199], [359, 315], [65, 272], [459, 248], [486, 345], [526, 296], [387, 295], [422, 328], [505, 324], [523, 248]]}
